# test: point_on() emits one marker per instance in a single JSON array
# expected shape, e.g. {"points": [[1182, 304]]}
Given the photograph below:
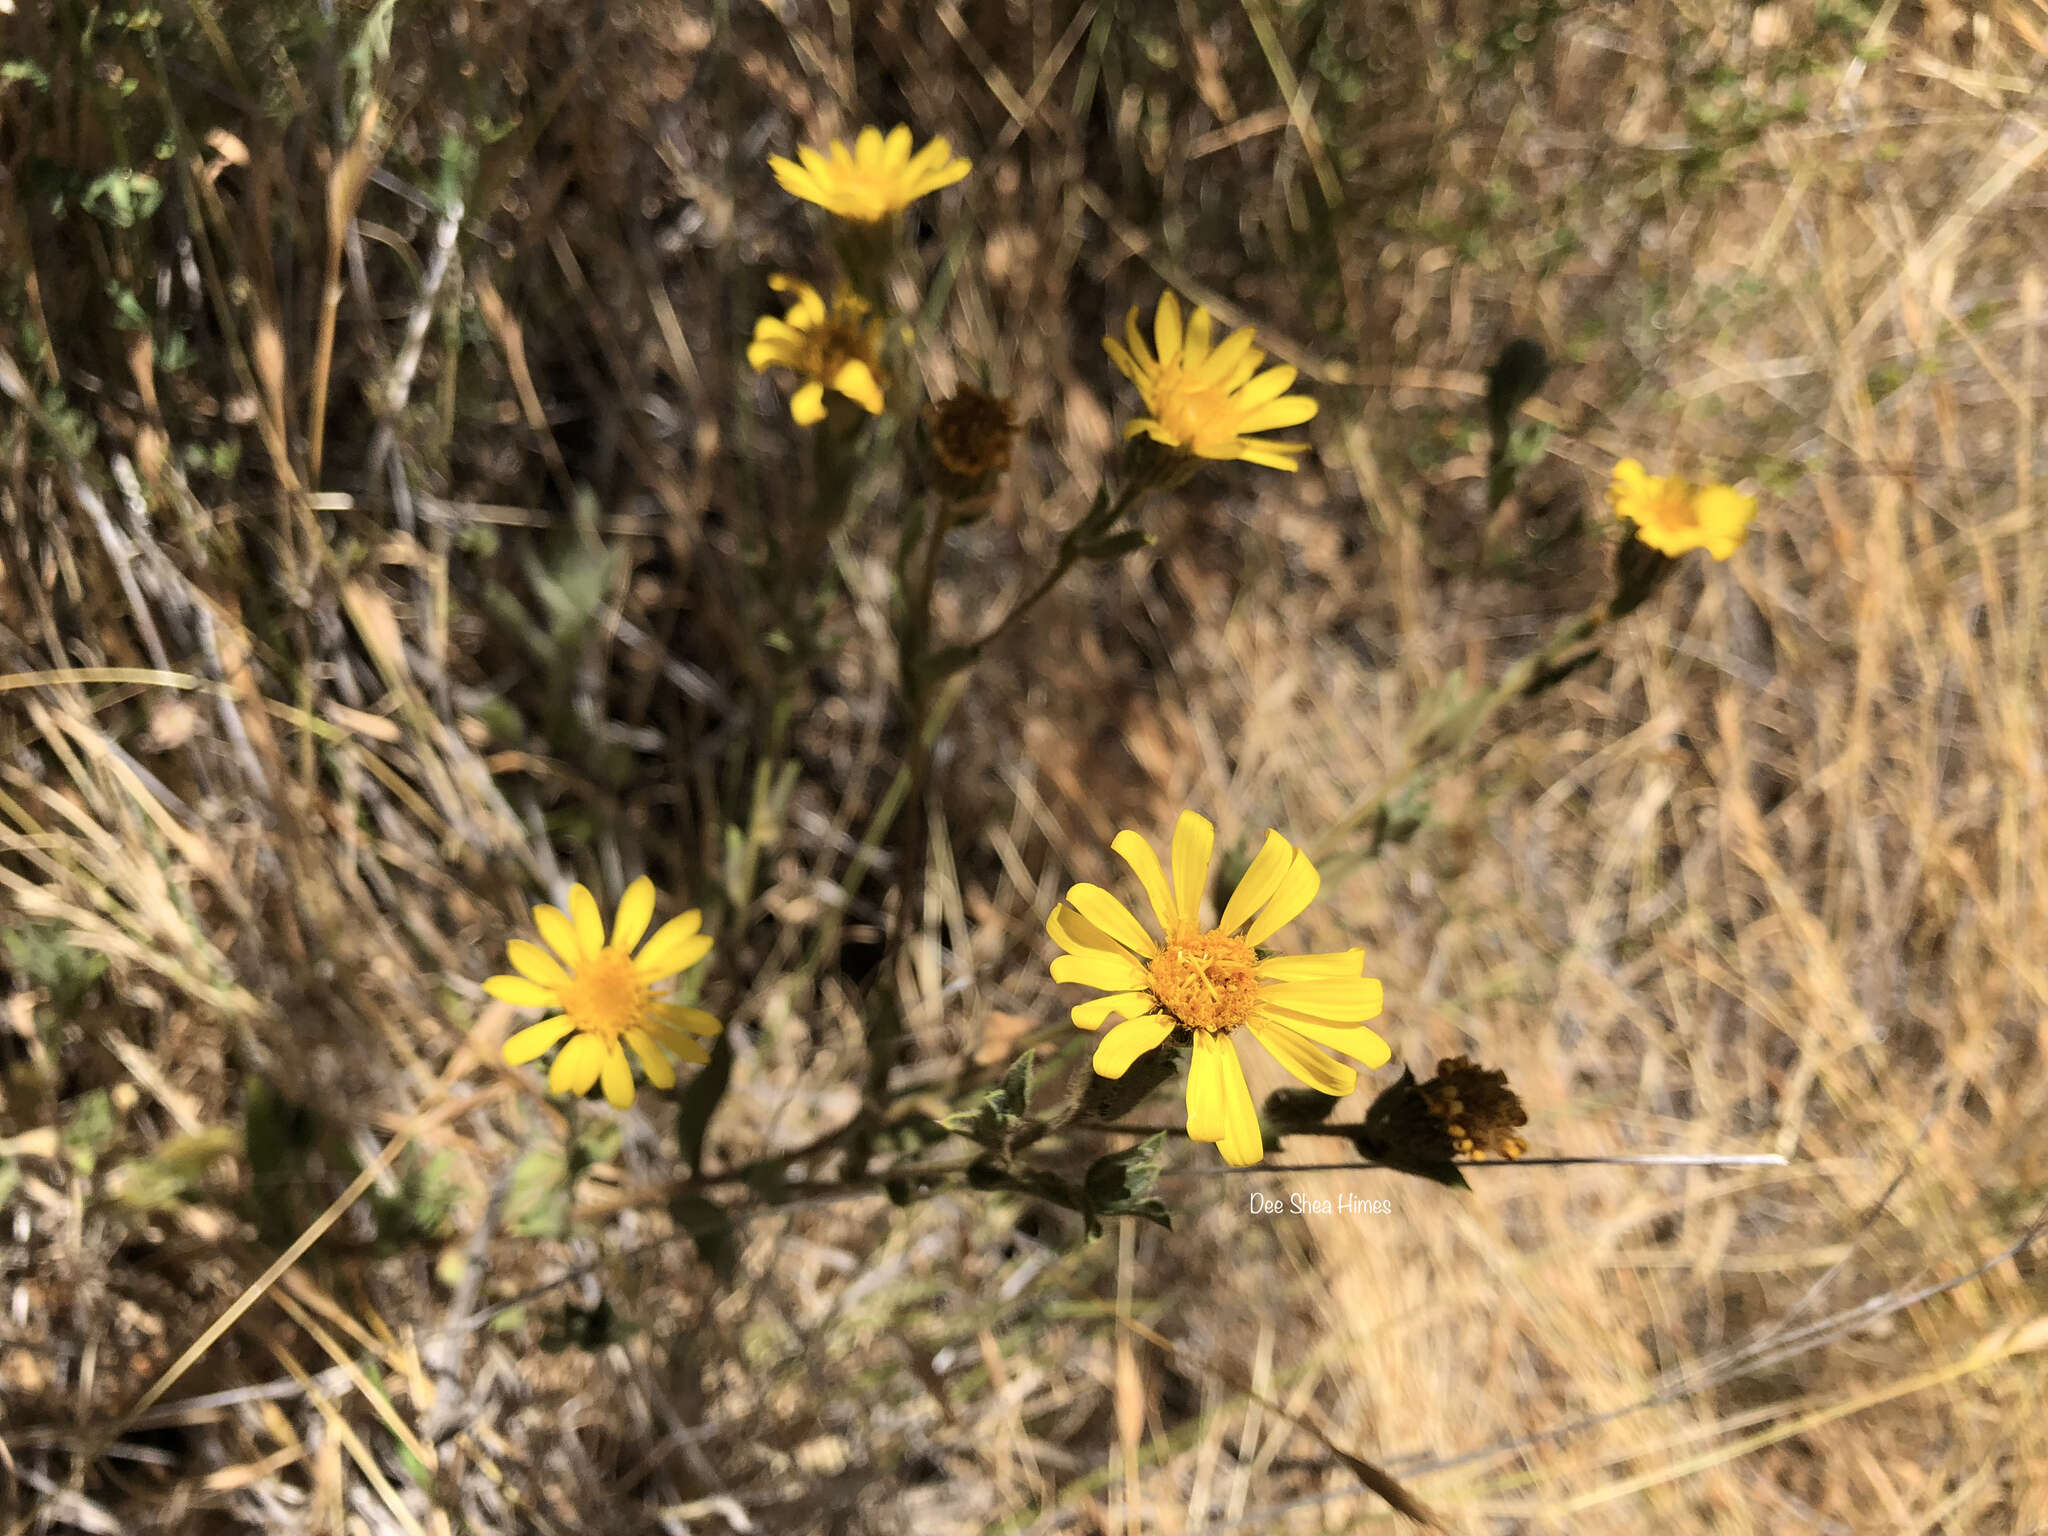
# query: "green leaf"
{"points": [[996, 1117], [89, 1129], [1120, 1181], [537, 1197]]}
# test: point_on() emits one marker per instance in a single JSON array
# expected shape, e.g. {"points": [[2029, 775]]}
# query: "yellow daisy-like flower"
{"points": [[1213, 982], [836, 347], [1672, 515], [1206, 399], [604, 996], [880, 176]]}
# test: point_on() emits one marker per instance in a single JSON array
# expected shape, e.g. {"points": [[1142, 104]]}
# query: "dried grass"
{"points": [[422, 586]]}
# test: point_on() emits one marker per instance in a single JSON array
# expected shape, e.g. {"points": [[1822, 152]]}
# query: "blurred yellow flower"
{"points": [[837, 347], [1672, 515], [1204, 399], [604, 995], [1212, 982], [879, 177]]}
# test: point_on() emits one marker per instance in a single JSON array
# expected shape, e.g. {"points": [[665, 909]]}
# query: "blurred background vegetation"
{"points": [[391, 530]]}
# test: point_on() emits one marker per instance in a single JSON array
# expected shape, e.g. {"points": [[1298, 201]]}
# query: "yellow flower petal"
{"points": [[1273, 455], [589, 922], [1131, 1039], [652, 1061], [1305, 1061], [1104, 972], [856, 381], [665, 957], [618, 1077], [536, 964], [1261, 879], [535, 1041], [695, 1020], [1205, 1086], [1113, 918], [1354, 1040], [1241, 1142], [1193, 841], [519, 992], [1297, 889], [807, 405], [1077, 936], [1166, 329], [1341, 1002], [636, 907], [1097, 1011], [560, 933], [578, 1065], [1338, 967], [1136, 852]]}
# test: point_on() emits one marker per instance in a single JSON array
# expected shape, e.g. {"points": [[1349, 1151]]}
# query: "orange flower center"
{"points": [[1207, 981], [605, 995]]}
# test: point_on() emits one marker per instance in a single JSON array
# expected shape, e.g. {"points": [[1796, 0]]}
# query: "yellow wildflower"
{"points": [[837, 348], [1213, 982], [879, 177], [1672, 515], [605, 994], [1204, 399]]}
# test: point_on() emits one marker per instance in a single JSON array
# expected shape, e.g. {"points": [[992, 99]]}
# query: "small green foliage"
{"points": [[537, 1200], [122, 198], [174, 1172], [994, 1122], [90, 1129], [425, 1201], [46, 957], [1121, 1184]]}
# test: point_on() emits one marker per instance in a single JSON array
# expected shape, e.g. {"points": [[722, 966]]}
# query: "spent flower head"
{"points": [[1672, 515], [1480, 1114], [1206, 398], [1213, 984], [969, 435], [878, 177], [836, 347], [602, 997]]}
